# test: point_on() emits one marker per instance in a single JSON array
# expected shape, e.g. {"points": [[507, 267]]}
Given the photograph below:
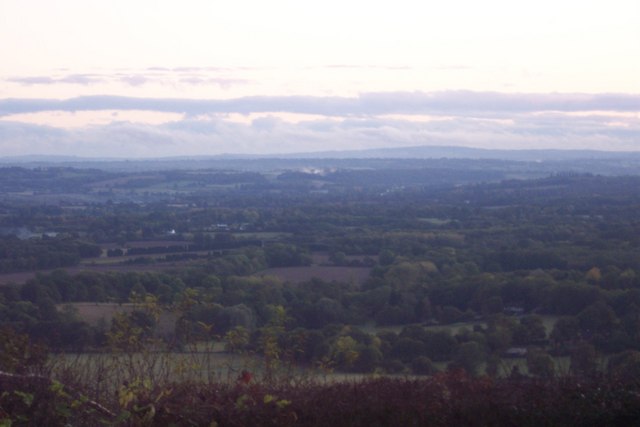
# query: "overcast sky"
{"points": [[160, 78]]}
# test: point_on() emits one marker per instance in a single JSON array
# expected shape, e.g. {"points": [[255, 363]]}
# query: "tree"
{"points": [[422, 365], [338, 258], [281, 255], [583, 360], [406, 349], [565, 331], [328, 310], [598, 318], [344, 352], [237, 339], [386, 257], [540, 363], [625, 365], [594, 275], [531, 330], [237, 315], [440, 345], [18, 354], [570, 299], [500, 331], [469, 357], [368, 360]]}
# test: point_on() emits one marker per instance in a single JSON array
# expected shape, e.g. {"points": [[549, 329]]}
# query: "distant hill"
{"points": [[439, 152], [413, 152], [543, 161]]}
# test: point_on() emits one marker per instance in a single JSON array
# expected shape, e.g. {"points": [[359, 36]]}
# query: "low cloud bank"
{"points": [[272, 135], [434, 103]]}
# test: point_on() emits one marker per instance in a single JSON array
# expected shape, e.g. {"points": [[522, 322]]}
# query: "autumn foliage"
{"points": [[447, 399]]}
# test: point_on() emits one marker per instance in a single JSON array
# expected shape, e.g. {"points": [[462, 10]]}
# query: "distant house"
{"points": [[514, 352], [514, 311]]}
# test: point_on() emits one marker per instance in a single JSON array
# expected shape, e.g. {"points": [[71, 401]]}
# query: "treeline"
{"points": [[319, 317], [43, 253], [48, 179]]}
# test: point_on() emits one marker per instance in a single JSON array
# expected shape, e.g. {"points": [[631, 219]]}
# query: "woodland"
{"points": [[350, 292]]}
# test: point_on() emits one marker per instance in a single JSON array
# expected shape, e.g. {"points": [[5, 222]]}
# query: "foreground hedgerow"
{"points": [[449, 399]]}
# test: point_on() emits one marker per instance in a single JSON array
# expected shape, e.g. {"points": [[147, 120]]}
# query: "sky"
{"points": [[155, 78]]}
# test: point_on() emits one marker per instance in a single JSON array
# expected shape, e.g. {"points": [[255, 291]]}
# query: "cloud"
{"points": [[362, 67], [465, 103], [444, 67], [79, 79], [274, 135], [224, 83], [371, 120], [134, 79], [33, 80], [151, 75]]}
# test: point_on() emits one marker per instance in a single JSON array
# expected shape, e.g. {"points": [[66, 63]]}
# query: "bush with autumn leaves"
{"points": [[31, 396]]}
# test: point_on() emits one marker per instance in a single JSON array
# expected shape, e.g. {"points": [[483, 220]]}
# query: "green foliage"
{"points": [[280, 255], [530, 331], [584, 360], [540, 363], [625, 366], [470, 356], [237, 339], [422, 365], [552, 246], [18, 354], [488, 255]]}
